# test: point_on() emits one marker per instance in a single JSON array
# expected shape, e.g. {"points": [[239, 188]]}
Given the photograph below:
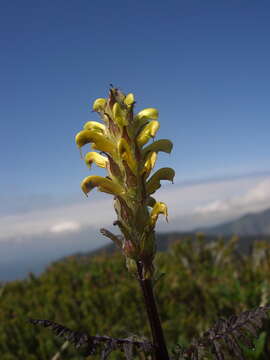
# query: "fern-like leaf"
{"points": [[93, 344], [236, 328]]}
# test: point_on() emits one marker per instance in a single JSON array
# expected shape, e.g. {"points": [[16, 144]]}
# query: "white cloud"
{"points": [[208, 204], [95, 213], [255, 199], [190, 206], [65, 226]]}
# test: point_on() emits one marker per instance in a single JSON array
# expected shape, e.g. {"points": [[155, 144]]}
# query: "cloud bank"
{"points": [[189, 206]]}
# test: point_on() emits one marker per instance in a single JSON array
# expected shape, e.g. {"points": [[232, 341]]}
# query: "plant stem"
{"points": [[161, 352]]}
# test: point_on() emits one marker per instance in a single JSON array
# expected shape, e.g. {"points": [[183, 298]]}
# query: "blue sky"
{"points": [[203, 64]]}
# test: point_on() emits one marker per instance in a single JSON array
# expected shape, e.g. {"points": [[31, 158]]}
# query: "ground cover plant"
{"points": [[121, 141]]}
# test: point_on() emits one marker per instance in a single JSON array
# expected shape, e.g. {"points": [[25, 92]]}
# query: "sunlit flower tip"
{"points": [[98, 159], [149, 113], [159, 208], [118, 115], [149, 163], [94, 126], [163, 145], [154, 182], [129, 99], [147, 132], [103, 184], [99, 104]]}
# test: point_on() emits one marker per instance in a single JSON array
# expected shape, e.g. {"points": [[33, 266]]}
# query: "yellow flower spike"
{"points": [[99, 104], [129, 99], [163, 145], [94, 126], [147, 132], [103, 184], [101, 143], [149, 113], [118, 115], [121, 142], [149, 163], [98, 159], [126, 154], [154, 182], [159, 208]]}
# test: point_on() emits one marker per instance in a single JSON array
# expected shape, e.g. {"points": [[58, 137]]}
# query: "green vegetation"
{"points": [[203, 281]]}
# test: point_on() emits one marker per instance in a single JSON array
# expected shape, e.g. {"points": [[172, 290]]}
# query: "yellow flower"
{"points": [[129, 99], [159, 208], [149, 113], [121, 140], [119, 115], [154, 182], [99, 104], [103, 184], [149, 163], [90, 136], [98, 159], [159, 145], [126, 154], [94, 126], [147, 132]]}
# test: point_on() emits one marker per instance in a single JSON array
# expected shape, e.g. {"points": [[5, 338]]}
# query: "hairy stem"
{"points": [[161, 352]]}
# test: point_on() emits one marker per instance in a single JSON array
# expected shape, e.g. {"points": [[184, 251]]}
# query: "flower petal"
{"points": [[98, 159], [154, 182], [100, 141], [147, 132], [126, 154], [159, 208], [149, 113], [149, 163], [103, 184], [94, 126], [129, 99], [99, 104], [159, 145], [119, 115]]}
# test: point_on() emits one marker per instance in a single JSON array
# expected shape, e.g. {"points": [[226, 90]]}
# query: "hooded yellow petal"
{"points": [[100, 141], [154, 182], [103, 184], [159, 208], [149, 113], [98, 159], [129, 99], [99, 104], [147, 132], [94, 126], [119, 115], [126, 154], [149, 163], [159, 145]]}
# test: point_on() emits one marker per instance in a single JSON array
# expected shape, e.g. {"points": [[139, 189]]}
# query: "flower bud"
{"points": [[99, 104], [149, 113], [129, 99]]}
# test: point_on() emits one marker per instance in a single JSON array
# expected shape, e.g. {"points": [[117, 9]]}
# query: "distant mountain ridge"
{"points": [[37, 256], [250, 227], [251, 224]]}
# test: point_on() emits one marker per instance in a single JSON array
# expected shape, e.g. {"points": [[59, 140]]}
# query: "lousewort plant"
{"points": [[121, 148]]}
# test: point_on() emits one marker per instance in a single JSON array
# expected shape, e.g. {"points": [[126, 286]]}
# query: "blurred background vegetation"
{"points": [[203, 281]]}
